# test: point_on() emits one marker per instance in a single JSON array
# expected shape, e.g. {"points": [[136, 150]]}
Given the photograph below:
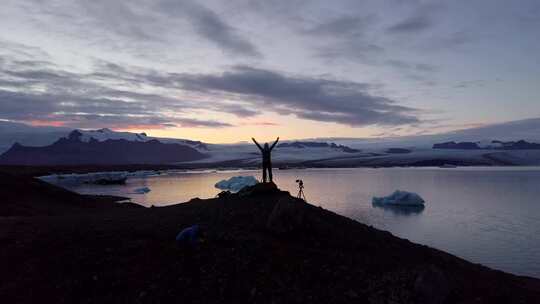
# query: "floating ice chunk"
{"points": [[142, 190], [100, 178], [400, 198], [145, 173], [236, 183]]}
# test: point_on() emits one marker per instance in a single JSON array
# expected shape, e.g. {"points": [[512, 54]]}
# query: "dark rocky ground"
{"points": [[261, 246]]}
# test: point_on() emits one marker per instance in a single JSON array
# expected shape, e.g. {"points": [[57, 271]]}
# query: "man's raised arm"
{"points": [[260, 148], [274, 144]]}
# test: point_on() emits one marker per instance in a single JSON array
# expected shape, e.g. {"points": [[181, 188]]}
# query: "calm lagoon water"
{"points": [[486, 215]]}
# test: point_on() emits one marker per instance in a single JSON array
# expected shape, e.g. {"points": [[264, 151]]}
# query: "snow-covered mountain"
{"points": [[38, 136], [105, 134], [73, 150], [527, 129]]}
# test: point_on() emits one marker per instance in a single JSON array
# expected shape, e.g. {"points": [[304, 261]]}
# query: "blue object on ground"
{"points": [[188, 235]]}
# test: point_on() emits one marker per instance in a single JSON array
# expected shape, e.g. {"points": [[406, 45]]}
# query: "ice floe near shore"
{"points": [[100, 178], [399, 198], [236, 183]]}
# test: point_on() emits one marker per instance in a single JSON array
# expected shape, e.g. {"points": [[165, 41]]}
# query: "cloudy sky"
{"points": [[223, 71]]}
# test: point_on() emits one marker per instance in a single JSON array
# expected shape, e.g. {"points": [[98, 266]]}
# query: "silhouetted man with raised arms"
{"points": [[266, 160]]}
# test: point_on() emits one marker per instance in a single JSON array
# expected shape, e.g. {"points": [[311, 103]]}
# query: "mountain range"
{"points": [[38, 136], [75, 149], [510, 143]]}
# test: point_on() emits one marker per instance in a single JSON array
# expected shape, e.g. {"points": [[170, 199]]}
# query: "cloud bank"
{"points": [[111, 97]]}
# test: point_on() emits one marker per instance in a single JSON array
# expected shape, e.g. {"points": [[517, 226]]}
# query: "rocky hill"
{"points": [[258, 246], [23, 195]]}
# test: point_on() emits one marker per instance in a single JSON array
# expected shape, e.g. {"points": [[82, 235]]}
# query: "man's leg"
{"points": [[264, 173], [270, 171]]}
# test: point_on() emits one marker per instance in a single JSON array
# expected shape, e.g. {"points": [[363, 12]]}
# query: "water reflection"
{"points": [[400, 210]]}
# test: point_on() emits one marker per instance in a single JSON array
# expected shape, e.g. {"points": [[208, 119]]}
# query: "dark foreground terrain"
{"points": [[260, 246]]}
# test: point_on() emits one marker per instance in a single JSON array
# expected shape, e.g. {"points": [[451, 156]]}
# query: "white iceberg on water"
{"points": [[236, 183], [400, 198]]}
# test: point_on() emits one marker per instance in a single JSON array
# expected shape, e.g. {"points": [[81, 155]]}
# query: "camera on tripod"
{"points": [[301, 194]]}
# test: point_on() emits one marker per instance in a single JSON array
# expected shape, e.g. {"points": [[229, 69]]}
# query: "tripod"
{"points": [[301, 194]]}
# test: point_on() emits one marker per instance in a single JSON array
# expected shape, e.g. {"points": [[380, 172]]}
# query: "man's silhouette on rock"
{"points": [[266, 158]]}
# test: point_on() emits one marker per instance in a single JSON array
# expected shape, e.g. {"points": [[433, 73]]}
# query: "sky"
{"points": [[224, 71]]}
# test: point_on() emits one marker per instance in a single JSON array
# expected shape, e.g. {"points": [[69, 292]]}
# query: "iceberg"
{"points": [[236, 183], [399, 198], [142, 190]]}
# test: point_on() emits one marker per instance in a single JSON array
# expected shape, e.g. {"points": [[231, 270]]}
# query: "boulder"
{"points": [[224, 194]]}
